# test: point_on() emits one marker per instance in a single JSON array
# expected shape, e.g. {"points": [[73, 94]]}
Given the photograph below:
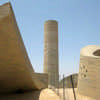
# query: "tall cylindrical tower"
{"points": [[51, 52]]}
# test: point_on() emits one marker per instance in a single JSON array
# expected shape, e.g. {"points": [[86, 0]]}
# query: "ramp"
{"points": [[16, 71]]}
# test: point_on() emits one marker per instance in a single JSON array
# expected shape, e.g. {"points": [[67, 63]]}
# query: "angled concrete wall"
{"points": [[16, 71]]}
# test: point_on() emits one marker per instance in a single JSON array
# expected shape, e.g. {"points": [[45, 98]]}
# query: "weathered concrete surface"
{"points": [[45, 94], [68, 82], [51, 52], [70, 96], [16, 71], [89, 72]]}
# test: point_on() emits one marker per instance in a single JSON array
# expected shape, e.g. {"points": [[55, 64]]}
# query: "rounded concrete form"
{"points": [[68, 82], [51, 52], [89, 72]]}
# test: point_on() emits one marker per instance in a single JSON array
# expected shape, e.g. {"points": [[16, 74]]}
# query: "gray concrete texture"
{"points": [[89, 72], [70, 96], [44, 94], [51, 63], [16, 71]]}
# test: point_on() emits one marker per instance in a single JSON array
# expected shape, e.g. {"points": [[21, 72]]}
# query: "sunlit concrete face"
{"points": [[51, 52], [16, 71], [89, 72]]}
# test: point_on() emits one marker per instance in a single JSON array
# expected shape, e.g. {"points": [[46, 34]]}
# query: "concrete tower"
{"points": [[51, 52], [89, 72]]}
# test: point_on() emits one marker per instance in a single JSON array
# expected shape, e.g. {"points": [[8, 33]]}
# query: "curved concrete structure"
{"points": [[89, 72], [68, 82], [16, 72], [51, 52]]}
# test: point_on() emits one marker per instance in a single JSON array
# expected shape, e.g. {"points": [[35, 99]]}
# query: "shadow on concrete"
{"points": [[32, 95]]}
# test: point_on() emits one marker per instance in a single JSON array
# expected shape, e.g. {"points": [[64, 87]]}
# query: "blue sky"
{"points": [[79, 26]]}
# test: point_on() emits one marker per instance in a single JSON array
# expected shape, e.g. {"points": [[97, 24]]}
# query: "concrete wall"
{"points": [[68, 82], [16, 71], [89, 72]]}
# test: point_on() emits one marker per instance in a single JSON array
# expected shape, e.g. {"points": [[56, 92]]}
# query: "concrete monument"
{"points": [[51, 52], [16, 71], [18, 80], [89, 72]]}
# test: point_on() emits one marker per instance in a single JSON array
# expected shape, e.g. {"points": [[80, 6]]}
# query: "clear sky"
{"points": [[79, 26]]}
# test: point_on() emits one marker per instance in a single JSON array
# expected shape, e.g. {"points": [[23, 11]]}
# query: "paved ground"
{"points": [[69, 95], [45, 94]]}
